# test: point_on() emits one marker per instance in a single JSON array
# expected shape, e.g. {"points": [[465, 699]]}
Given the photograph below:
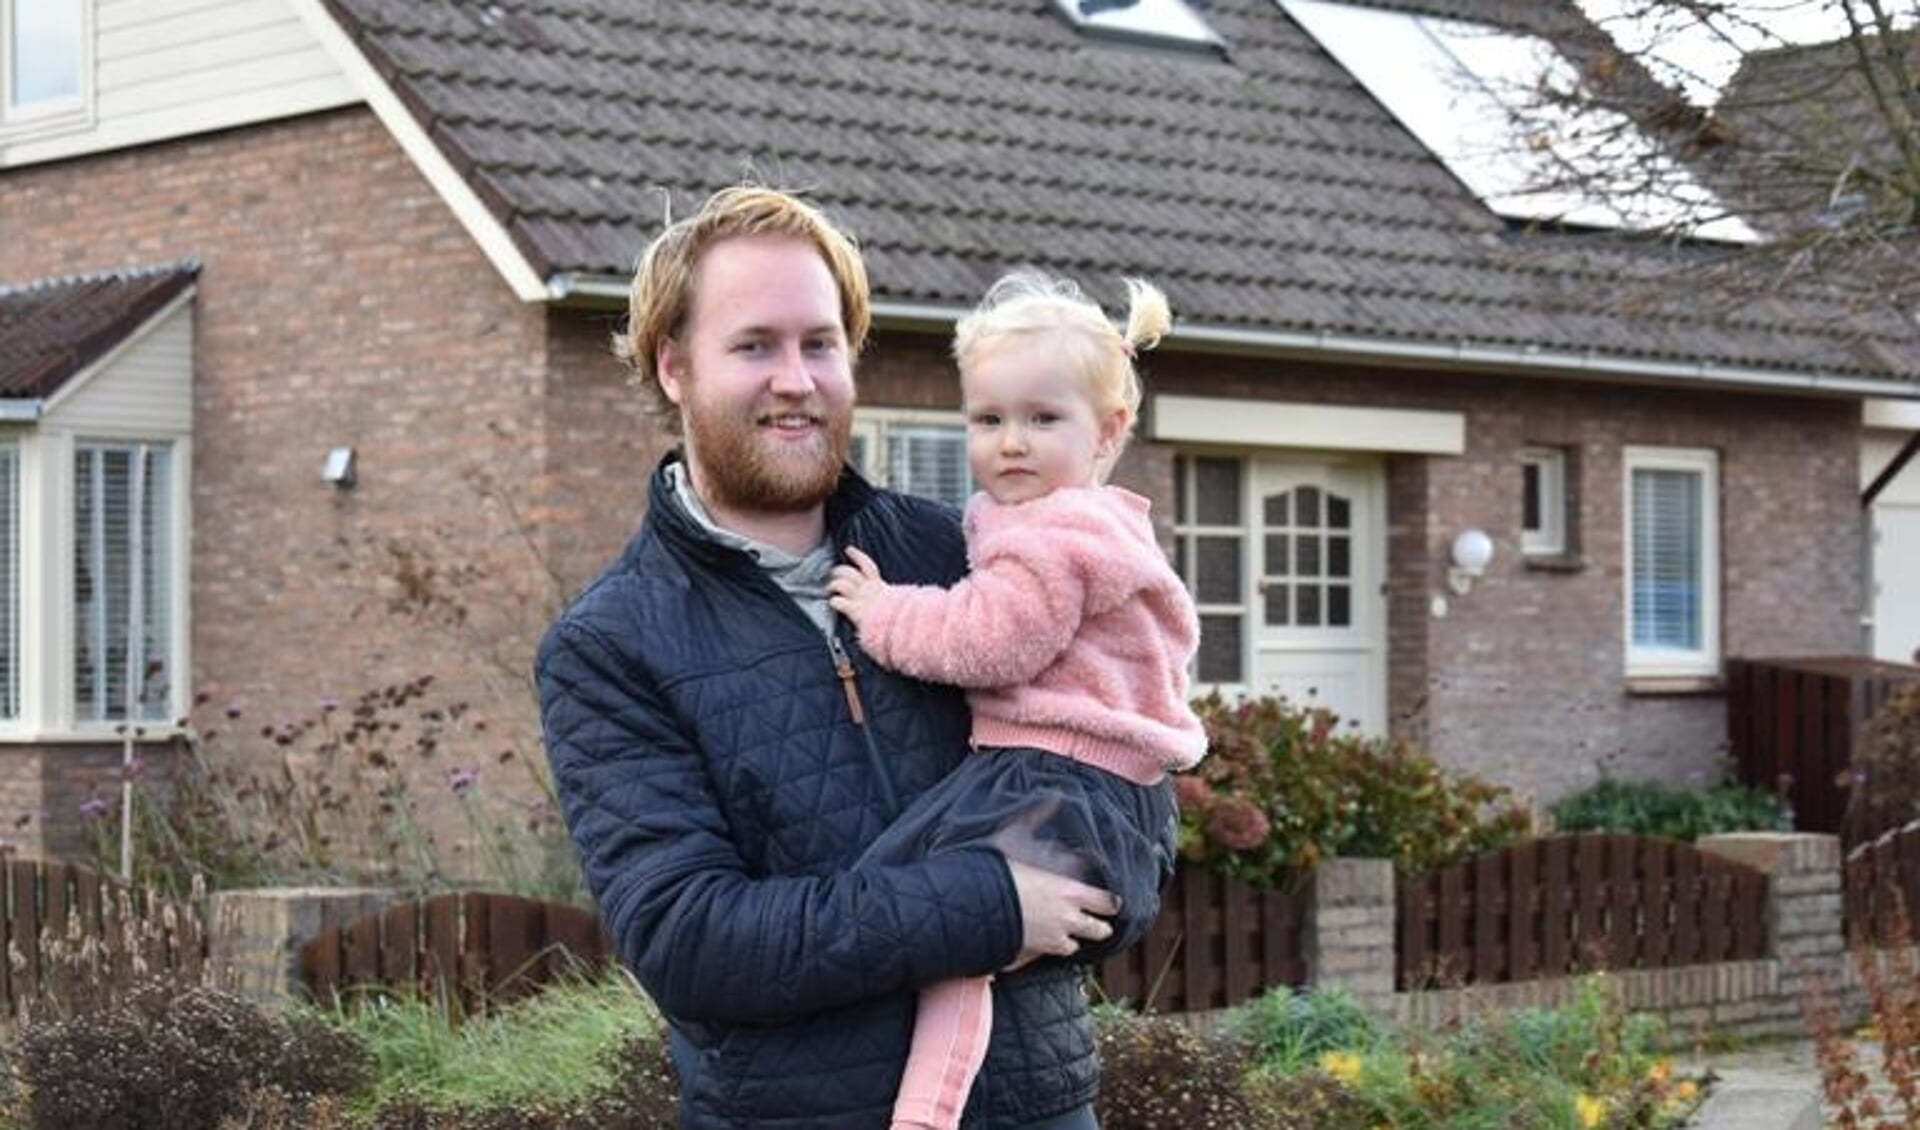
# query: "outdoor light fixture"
{"points": [[1472, 550], [338, 469]]}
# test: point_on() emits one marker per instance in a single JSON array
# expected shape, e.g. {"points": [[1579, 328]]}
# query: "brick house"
{"points": [[1816, 130], [402, 233]]}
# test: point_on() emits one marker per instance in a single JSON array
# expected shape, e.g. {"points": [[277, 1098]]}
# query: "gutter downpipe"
{"points": [[921, 316]]}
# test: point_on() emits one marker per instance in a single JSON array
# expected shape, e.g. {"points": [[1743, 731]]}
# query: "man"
{"points": [[724, 752]]}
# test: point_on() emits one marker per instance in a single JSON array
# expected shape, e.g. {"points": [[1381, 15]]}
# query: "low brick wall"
{"points": [[1348, 939], [253, 943], [1350, 932]]}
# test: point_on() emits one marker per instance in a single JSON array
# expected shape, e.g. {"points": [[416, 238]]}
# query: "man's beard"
{"points": [[742, 469]]}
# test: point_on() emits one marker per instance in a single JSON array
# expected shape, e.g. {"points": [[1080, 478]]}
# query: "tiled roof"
{"points": [[1266, 191], [52, 329]]}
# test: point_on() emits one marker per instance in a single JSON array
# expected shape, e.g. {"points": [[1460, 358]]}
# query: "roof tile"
{"points": [[1265, 190]]}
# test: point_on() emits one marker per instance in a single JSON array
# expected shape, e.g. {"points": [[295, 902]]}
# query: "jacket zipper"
{"points": [[843, 667]]}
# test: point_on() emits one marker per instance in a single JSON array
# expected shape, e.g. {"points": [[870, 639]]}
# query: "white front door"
{"points": [[1317, 607], [1284, 554]]}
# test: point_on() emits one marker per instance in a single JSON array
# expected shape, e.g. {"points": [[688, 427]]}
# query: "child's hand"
{"points": [[852, 588]]}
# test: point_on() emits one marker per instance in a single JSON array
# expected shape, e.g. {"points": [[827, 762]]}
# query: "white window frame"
{"points": [[10, 597], [872, 427], [51, 115], [1647, 662], [132, 673], [1549, 467]]}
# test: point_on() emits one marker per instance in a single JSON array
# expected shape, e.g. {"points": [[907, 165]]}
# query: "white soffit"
{"points": [[1902, 414], [1467, 92], [1267, 423]]}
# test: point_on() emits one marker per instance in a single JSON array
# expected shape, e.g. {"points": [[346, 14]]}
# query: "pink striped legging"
{"points": [[950, 1035]]}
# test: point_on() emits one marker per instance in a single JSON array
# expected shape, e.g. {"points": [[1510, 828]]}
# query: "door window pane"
{"points": [[1339, 606], [1217, 492], [1339, 557], [1309, 606], [1219, 658], [1279, 555], [1278, 603], [1216, 577], [1306, 556]]}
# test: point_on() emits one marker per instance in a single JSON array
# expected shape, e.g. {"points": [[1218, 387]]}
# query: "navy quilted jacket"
{"points": [[719, 789]]}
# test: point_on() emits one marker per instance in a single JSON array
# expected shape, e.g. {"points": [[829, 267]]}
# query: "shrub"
{"points": [[330, 797], [164, 1060], [1883, 781], [1288, 1031], [1652, 809], [1285, 786], [1587, 1064]]}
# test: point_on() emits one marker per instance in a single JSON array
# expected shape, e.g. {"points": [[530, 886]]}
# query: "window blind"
{"points": [[1667, 556], [123, 562], [929, 460]]}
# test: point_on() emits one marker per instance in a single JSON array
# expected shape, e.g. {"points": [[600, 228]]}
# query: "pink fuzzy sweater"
{"points": [[1071, 633]]}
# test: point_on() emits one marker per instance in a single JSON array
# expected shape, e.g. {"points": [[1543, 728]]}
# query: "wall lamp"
{"points": [[338, 469], [1472, 551]]}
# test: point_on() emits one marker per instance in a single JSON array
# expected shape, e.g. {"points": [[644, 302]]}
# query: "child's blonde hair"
{"points": [[1027, 303]]}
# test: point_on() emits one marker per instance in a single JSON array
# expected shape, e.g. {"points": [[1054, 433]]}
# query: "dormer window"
{"points": [[44, 62], [1152, 23]]}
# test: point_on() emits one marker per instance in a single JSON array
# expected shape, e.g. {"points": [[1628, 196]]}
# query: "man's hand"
{"points": [[1057, 913], [851, 588]]}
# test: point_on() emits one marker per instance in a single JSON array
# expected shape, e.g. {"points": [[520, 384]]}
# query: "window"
{"points": [[1543, 505], [1209, 535], [9, 581], [123, 578], [1672, 562], [1156, 23], [1472, 94], [44, 59], [921, 453]]}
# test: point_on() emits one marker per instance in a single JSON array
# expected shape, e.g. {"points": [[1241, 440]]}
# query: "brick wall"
{"points": [[340, 303], [1523, 680]]}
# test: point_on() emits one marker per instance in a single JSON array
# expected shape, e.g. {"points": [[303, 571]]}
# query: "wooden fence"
{"points": [[469, 949], [1217, 942], [69, 933], [1795, 720], [1567, 904], [1881, 881]]}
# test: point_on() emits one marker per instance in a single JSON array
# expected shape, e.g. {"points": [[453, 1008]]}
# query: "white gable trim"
{"points": [[1271, 423], [453, 189], [72, 386]]}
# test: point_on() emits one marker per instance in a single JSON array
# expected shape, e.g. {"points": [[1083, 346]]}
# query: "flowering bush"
{"points": [[1285, 786]]}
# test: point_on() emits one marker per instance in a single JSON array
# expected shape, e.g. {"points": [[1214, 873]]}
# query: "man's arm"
{"points": [[710, 941]]}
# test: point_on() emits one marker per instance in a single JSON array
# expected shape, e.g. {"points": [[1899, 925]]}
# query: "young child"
{"points": [[1071, 633]]}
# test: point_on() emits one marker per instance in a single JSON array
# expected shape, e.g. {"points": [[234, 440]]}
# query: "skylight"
{"points": [[1158, 23], [1467, 92]]}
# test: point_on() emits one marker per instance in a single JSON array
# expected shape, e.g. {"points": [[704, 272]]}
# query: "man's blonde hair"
{"points": [[661, 298]]}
